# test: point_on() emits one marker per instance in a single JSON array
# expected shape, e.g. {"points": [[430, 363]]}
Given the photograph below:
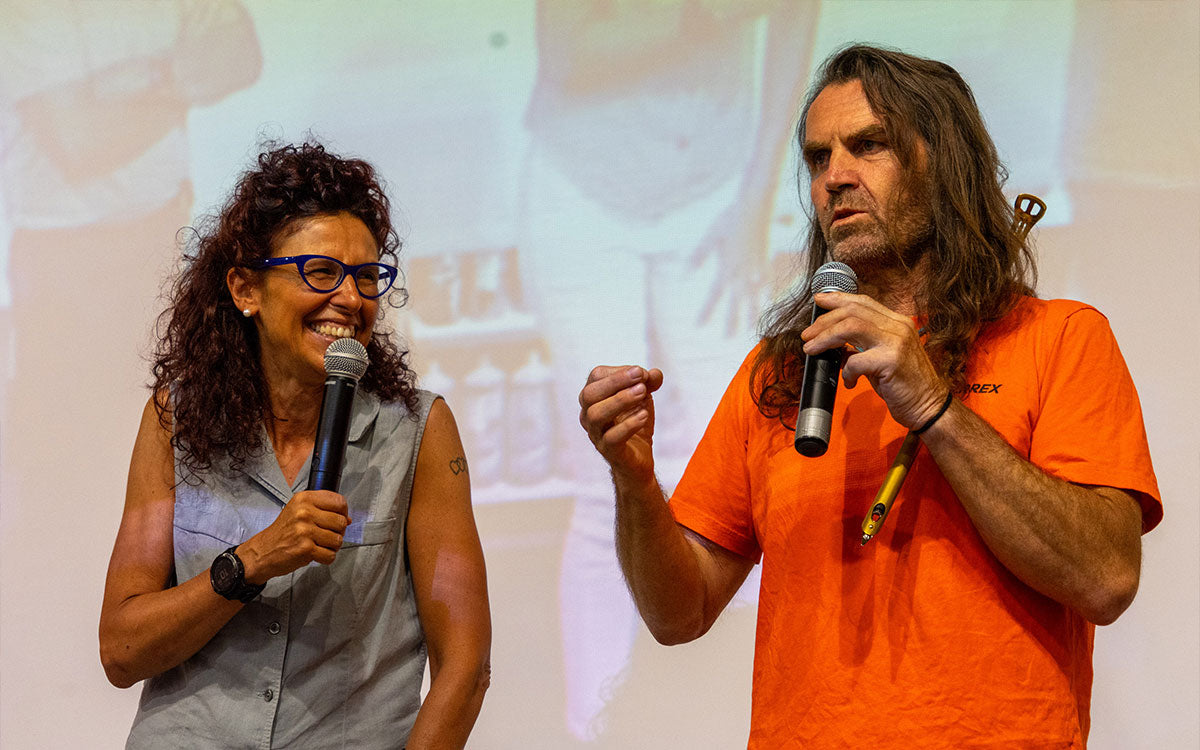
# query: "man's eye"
{"points": [[870, 147]]}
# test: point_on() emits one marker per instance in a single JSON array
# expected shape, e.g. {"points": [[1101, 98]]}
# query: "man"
{"points": [[968, 621]]}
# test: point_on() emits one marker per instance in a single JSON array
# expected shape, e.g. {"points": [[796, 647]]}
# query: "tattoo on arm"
{"points": [[458, 465]]}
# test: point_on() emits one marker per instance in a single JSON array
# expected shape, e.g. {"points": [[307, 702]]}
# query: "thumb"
{"points": [[654, 380]]}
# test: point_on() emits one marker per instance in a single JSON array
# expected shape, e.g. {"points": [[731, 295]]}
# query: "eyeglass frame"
{"points": [[347, 270]]}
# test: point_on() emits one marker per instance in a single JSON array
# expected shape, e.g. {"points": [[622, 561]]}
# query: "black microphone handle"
{"points": [[814, 420], [333, 430]]}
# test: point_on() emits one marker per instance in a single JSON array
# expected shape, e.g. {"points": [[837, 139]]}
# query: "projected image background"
{"points": [[577, 183]]}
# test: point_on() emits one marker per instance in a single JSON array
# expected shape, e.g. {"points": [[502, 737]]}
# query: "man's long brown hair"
{"points": [[978, 264]]}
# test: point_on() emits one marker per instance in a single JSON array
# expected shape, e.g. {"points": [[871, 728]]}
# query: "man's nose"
{"points": [[842, 172]]}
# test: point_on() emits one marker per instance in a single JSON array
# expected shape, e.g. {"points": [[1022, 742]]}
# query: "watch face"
{"points": [[224, 573]]}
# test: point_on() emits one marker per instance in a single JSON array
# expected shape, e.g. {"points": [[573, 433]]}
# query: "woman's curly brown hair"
{"points": [[979, 264], [208, 383]]}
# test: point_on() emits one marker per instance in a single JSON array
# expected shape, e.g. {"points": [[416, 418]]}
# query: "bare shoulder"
{"points": [[441, 448], [442, 482], [152, 467], [439, 422]]}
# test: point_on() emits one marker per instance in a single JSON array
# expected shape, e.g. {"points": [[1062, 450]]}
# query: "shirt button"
{"points": [[268, 695], [273, 628]]}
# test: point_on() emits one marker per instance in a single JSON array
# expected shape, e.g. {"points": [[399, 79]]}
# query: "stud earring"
{"points": [[246, 313]]}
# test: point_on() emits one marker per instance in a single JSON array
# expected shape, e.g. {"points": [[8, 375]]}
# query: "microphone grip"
{"points": [[814, 420], [333, 431]]}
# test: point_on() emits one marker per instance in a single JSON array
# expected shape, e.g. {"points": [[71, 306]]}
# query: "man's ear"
{"points": [[243, 289]]}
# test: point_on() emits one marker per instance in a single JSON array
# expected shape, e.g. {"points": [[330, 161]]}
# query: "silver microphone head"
{"points": [[346, 358], [834, 277]]}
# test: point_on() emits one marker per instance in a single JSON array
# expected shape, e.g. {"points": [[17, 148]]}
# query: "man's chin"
{"points": [[859, 250]]}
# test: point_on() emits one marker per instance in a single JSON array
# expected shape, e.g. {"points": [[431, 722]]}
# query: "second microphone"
{"points": [[814, 420]]}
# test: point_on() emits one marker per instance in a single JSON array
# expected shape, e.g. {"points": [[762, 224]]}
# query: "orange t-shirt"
{"points": [[921, 638]]}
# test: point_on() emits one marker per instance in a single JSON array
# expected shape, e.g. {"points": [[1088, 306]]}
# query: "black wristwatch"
{"points": [[228, 577]]}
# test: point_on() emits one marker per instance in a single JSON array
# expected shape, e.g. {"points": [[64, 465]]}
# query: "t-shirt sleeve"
{"points": [[713, 498], [1089, 428]]}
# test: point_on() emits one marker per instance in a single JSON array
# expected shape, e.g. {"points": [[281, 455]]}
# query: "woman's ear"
{"points": [[243, 290]]}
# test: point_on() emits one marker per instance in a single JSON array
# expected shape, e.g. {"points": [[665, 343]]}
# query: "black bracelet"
{"points": [[936, 417]]}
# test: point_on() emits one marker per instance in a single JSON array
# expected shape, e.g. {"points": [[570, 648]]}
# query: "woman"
{"points": [[258, 612]]}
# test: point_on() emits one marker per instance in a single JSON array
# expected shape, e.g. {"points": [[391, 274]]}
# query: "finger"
{"points": [[603, 385], [840, 306], [327, 539], [330, 520], [821, 322], [646, 406], [600, 372], [845, 306], [654, 379], [324, 555], [598, 417], [853, 332], [620, 433], [839, 300], [834, 300], [325, 500], [859, 364], [861, 326]]}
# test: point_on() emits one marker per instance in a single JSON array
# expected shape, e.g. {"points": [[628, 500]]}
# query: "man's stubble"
{"points": [[886, 245]]}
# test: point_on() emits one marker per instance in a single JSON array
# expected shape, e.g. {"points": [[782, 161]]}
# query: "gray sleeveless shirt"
{"points": [[327, 656]]}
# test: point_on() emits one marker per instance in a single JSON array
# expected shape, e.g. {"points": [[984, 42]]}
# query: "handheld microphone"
{"points": [[815, 418], [345, 363]]}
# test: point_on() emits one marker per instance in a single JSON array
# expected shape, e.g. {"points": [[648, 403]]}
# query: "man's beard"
{"points": [[896, 243]]}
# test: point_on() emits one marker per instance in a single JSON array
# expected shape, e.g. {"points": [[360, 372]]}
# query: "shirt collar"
{"points": [[264, 469], [365, 411]]}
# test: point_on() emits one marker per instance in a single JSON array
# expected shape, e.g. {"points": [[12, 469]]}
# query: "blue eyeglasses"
{"points": [[324, 274]]}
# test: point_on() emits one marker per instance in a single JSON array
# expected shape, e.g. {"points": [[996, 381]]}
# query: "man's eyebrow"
{"points": [[874, 131], [810, 148]]}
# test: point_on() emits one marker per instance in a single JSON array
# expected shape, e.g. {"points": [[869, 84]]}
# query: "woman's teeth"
{"points": [[331, 329]]}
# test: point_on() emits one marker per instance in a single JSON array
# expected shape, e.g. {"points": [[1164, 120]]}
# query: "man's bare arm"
{"points": [[680, 581], [1077, 545]]}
